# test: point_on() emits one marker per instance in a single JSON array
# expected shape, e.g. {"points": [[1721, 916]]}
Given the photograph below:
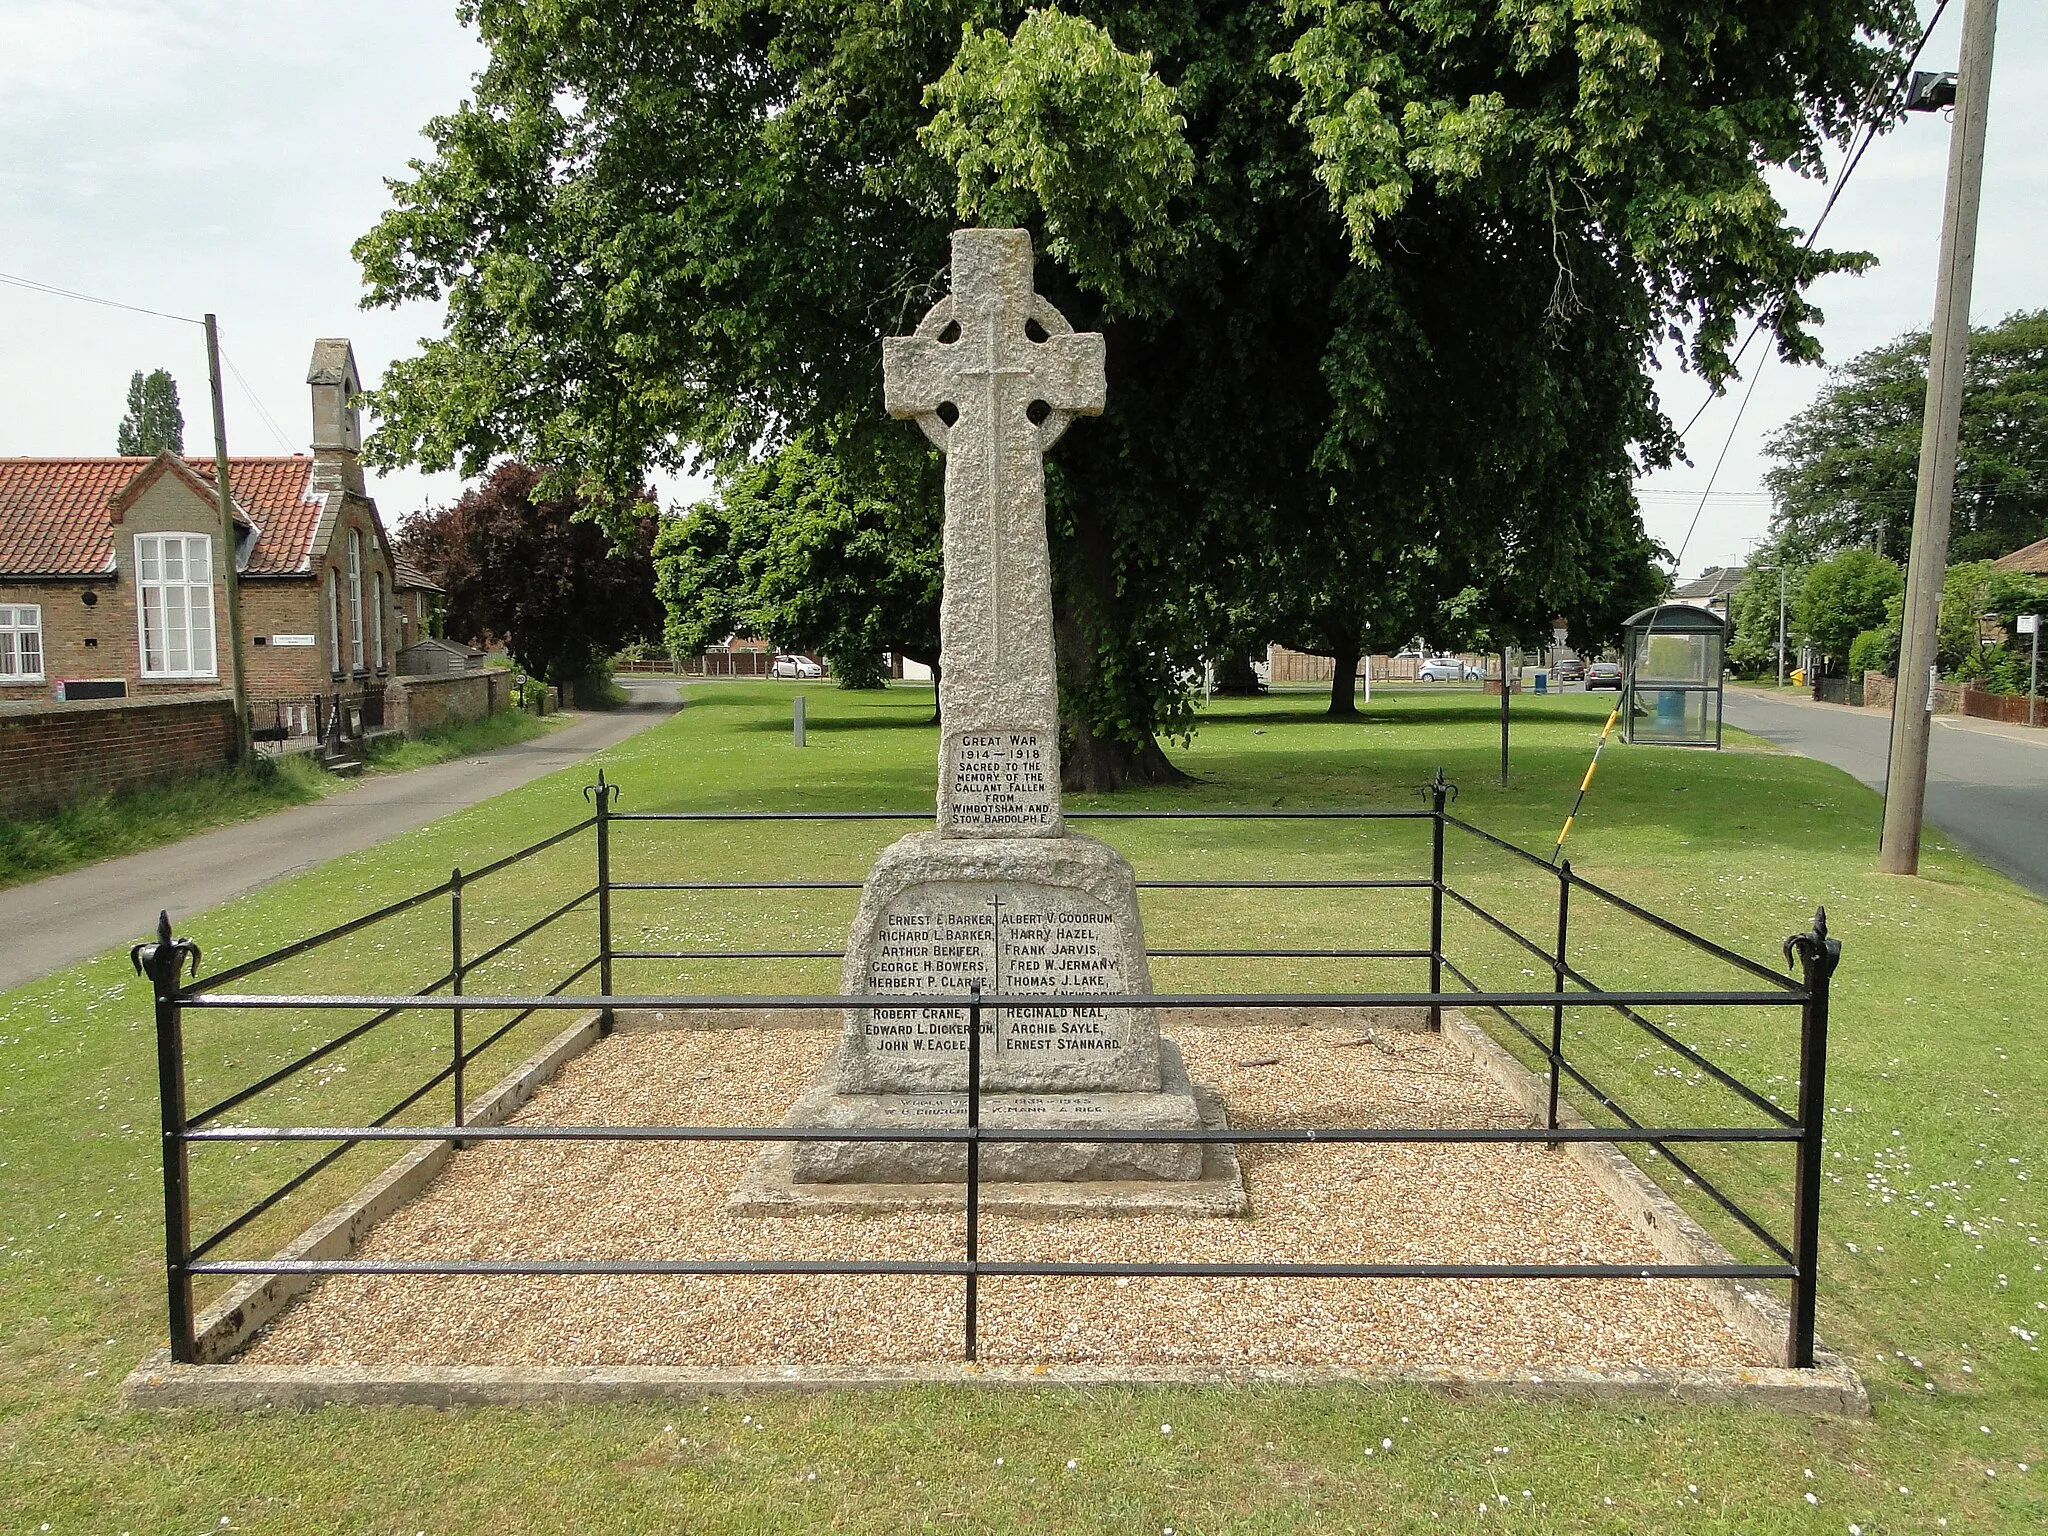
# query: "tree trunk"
{"points": [[1344, 684], [1235, 679], [1093, 762]]}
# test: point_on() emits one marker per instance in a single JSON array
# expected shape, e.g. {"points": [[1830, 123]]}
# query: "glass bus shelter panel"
{"points": [[1675, 716], [1693, 659]]}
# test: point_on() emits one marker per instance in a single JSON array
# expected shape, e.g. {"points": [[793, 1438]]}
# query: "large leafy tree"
{"points": [[520, 565], [1381, 278], [1842, 597], [797, 550], [154, 422], [1847, 466]]}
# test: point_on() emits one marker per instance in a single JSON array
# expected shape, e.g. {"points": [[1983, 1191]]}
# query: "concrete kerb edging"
{"points": [[1832, 1387]]}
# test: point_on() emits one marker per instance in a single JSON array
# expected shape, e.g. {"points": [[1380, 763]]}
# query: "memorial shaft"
{"points": [[993, 375]]}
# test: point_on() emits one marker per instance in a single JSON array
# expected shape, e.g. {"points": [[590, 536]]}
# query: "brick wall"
{"points": [[416, 704], [52, 754]]}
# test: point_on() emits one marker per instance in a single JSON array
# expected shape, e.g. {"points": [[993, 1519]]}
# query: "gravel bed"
{"points": [[1323, 1203]]}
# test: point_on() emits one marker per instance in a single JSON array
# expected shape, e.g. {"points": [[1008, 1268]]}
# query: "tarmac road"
{"points": [[1987, 784], [50, 923]]}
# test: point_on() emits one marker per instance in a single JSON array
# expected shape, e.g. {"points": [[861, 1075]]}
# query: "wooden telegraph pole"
{"points": [[1913, 703], [227, 534]]}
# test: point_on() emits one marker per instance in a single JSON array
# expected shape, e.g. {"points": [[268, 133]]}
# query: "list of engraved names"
{"points": [[1048, 943]]}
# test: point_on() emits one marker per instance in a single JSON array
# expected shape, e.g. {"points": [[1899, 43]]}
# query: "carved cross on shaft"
{"points": [[993, 374]]}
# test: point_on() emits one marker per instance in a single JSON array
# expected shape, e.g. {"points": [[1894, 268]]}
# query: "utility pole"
{"points": [[227, 534], [1913, 703]]}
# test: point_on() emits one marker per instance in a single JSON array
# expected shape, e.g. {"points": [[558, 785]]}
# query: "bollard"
{"points": [[797, 719]]}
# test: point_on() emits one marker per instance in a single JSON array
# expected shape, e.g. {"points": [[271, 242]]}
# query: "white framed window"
{"points": [[174, 580], [21, 643], [377, 617], [333, 624], [355, 600]]}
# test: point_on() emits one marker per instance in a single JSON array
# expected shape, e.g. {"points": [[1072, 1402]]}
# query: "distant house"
{"points": [[419, 599], [113, 581], [1711, 589], [2031, 561]]}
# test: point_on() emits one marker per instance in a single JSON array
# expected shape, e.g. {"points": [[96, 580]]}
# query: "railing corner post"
{"points": [[162, 962], [1818, 956]]}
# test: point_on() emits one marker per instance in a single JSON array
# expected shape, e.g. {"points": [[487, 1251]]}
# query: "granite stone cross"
{"points": [[993, 374]]}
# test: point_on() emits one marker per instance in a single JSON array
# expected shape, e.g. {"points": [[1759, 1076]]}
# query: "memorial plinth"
{"points": [[998, 894]]}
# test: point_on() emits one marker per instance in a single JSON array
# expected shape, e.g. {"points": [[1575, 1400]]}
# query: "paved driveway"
{"points": [[1987, 784], [53, 922]]}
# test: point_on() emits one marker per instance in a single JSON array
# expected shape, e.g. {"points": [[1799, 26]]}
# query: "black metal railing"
{"points": [[1791, 1258]]}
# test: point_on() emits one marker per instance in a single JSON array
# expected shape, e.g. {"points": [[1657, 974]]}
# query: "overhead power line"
{"points": [[90, 298], [1872, 119], [261, 410]]}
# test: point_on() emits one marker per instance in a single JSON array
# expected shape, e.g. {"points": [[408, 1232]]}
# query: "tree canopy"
{"points": [[798, 552], [1381, 278], [520, 566], [1847, 466], [154, 422], [1842, 597]]}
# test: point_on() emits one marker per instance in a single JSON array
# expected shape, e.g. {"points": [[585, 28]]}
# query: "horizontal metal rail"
{"points": [[1000, 1268], [1154, 951], [1793, 1133], [497, 949], [404, 904], [958, 1000], [1283, 1135], [1665, 1038], [242, 1096], [1143, 885], [1362, 814], [1720, 1075], [339, 931], [1698, 941], [1487, 917], [376, 1130]]}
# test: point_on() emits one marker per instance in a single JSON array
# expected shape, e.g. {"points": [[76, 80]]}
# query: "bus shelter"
{"points": [[1676, 655]]}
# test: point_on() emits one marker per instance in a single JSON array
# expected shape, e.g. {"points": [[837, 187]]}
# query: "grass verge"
{"points": [[132, 820], [1932, 1266]]}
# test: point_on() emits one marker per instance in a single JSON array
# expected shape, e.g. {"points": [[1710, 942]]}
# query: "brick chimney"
{"points": [[337, 426]]}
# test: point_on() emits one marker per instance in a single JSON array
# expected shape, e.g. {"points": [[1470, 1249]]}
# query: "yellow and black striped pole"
{"points": [[1587, 782]]}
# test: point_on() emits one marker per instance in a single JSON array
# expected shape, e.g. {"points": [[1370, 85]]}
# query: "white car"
{"points": [[1447, 669], [786, 665]]}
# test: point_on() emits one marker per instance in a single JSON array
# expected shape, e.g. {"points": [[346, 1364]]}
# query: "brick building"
{"points": [[113, 581]]}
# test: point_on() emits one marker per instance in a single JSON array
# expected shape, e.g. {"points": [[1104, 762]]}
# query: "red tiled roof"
{"points": [[57, 515], [2033, 559]]}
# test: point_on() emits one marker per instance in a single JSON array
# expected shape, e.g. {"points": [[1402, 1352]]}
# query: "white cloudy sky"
{"points": [[187, 155]]}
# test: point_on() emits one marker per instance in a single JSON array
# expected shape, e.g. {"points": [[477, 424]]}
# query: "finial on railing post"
{"points": [[166, 951]]}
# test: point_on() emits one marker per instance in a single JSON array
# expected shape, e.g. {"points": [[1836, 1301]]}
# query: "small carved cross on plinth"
{"points": [[993, 374]]}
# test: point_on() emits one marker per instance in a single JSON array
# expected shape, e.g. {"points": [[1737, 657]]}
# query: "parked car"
{"points": [[1448, 669], [786, 665], [1603, 674], [1569, 669]]}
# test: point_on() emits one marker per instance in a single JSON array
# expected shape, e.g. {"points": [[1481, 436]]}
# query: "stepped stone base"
{"points": [[1172, 1108], [1216, 1190]]}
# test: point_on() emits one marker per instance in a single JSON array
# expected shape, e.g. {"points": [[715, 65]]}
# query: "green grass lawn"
{"points": [[129, 821], [1932, 1277]]}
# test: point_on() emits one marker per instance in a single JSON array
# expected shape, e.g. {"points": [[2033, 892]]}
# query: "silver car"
{"points": [[1447, 669]]}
